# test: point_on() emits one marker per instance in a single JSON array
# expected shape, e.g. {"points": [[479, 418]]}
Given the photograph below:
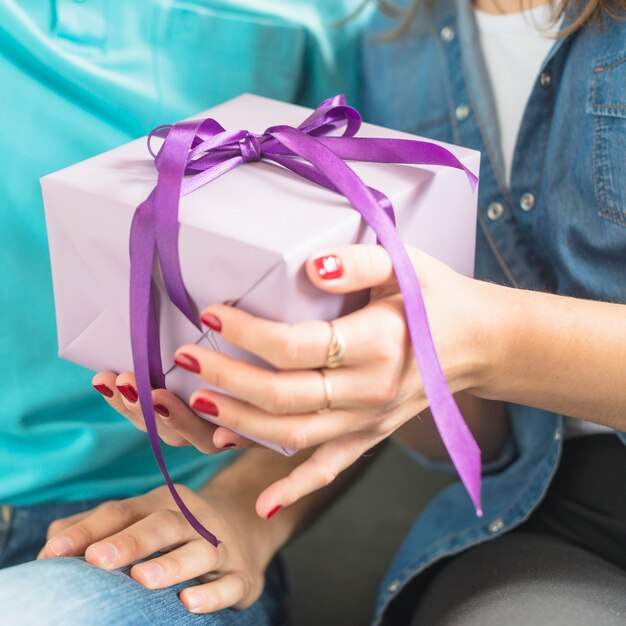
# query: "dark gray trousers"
{"points": [[565, 566], [525, 579]]}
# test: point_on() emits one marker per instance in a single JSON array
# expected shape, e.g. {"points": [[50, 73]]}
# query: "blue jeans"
{"points": [[71, 592]]}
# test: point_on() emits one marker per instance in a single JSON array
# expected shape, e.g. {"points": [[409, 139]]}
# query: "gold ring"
{"points": [[328, 392], [336, 348]]}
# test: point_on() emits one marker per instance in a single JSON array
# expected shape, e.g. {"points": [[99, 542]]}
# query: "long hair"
{"points": [[584, 13]]}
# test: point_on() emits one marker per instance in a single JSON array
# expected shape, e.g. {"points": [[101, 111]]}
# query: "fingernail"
{"points": [[205, 406], [212, 321], [187, 362], [329, 267], [152, 572], [193, 600], [61, 546], [105, 552], [104, 390], [129, 392], [273, 512], [228, 445], [161, 410]]}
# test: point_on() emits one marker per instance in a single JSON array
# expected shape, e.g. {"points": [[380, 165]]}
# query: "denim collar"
{"points": [[477, 77]]}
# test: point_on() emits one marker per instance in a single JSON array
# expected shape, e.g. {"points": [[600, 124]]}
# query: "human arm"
{"points": [[230, 575], [490, 340]]}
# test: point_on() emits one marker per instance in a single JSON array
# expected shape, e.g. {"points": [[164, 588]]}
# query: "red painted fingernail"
{"points": [[129, 392], [161, 410], [187, 362], [273, 511], [205, 406], [228, 445], [329, 267], [104, 390], [212, 321]]}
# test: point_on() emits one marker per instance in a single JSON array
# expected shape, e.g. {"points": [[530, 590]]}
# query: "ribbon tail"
{"points": [[142, 319], [460, 443]]}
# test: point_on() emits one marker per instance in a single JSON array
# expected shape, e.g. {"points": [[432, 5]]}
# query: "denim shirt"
{"points": [[559, 227]]}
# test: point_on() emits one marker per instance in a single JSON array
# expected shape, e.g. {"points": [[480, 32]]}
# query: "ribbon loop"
{"points": [[199, 151]]}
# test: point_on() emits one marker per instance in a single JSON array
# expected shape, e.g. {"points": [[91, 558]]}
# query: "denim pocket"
{"points": [[607, 104]]}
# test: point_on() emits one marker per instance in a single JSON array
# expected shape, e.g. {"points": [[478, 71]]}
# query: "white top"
{"points": [[514, 46]]}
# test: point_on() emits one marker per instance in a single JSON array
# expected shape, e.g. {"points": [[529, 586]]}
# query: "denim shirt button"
{"points": [[527, 202], [462, 112], [394, 586], [447, 34], [558, 435], [545, 79], [495, 211], [496, 525]]}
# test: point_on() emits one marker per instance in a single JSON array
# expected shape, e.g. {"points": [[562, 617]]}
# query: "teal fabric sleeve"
{"points": [[78, 78]]}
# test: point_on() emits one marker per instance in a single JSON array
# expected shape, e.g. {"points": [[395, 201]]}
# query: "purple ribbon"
{"points": [[197, 152]]}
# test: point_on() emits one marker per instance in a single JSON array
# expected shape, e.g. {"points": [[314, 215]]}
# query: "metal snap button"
{"points": [[447, 34], [462, 112], [495, 211], [496, 525], [394, 586], [545, 79], [527, 202]]}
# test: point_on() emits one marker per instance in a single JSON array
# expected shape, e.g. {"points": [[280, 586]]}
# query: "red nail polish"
{"points": [[212, 321], [228, 445], [329, 267], [205, 406], [161, 410], [273, 511], [129, 392], [104, 390], [187, 362]]}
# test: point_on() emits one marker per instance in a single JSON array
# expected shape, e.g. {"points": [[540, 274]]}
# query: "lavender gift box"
{"points": [[243, 240]]}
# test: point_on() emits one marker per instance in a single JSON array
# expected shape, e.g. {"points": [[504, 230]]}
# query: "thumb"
{"points": [[350, 268]]}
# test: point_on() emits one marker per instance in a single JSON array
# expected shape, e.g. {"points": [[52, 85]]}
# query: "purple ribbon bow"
{"points": [[197, 152]]}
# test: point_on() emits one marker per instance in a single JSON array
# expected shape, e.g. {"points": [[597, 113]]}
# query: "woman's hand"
{"points": [[177, 424], [377, 388], [118, 533]]}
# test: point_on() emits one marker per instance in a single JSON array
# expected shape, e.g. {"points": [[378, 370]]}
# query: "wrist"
{"points": [[492, 336], [236, 506], [236, 490]]}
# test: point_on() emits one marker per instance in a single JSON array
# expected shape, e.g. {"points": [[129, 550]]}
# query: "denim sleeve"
{"points": [[507, 454]]}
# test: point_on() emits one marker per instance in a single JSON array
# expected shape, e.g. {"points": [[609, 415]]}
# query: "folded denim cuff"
{"points": [[506, 455]]}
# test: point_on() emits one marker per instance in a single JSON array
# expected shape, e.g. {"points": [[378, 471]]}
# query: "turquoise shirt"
{"points": [[78, 78]]}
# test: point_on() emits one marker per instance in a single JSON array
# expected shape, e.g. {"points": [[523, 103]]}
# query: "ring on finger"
{"points": [[328, 392], [336, 350]]}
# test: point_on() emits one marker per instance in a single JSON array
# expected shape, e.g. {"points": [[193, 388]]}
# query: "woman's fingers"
{"points": [[177, 424], [351, 268], [193, 430], [300, 346], [285, 346], [224, 439], [292, 432], [165, 405], [229, 590], [295, 391], [317, 472], [158, 531], [191, 560], [105, 384]]}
